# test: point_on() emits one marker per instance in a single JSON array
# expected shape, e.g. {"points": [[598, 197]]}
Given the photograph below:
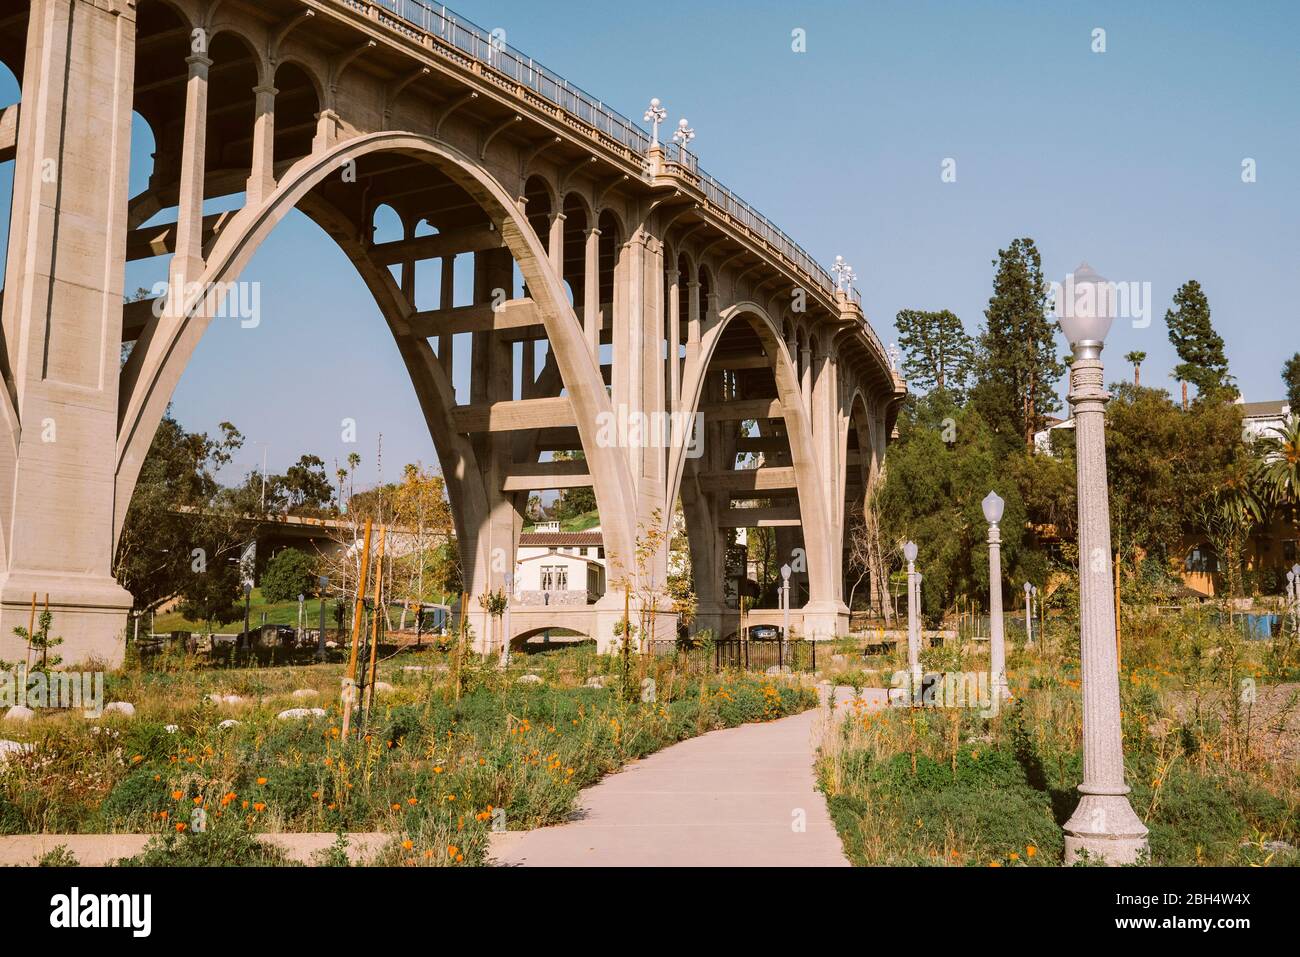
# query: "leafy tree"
{"points": [[1200, 348], [937, 352], [932, 494], [1017, 366], [287, 575], [307, 487], [212, 595], [174, 527], [430, 568], [1291, 378], [1162, 463], [576, 501]]}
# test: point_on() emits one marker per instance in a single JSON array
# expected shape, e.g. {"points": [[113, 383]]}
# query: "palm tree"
{"points": [[1137, 358], [1278, 462], [1227, 517]]}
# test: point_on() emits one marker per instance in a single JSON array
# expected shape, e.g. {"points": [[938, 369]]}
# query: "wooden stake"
{"points": [[31, 628], [374, 624], [350, 679], [460, 644], [45, 651]]}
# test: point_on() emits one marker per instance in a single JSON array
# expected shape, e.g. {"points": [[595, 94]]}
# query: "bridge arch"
{"points": [[813, 515], [160, 356]]}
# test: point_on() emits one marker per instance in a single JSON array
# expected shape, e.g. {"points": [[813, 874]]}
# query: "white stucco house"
{"points": [[559, 568]]}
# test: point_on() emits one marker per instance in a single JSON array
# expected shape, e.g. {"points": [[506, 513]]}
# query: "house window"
{"points": [[1202, 559], [555, 578], [1289, 550]]}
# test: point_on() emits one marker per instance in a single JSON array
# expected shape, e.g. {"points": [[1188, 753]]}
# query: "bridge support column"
{"points": [[591, 318], [63, 326], [261, 178], [491, 380]]}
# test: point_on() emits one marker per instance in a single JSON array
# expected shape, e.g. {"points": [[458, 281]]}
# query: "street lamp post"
{"points": [[1295, 588], [993, 507], [683, 136], [1029, 613], [248, 593], [654, 116], [320, 639], [785, 602], [1103, 825], [913, 638]]}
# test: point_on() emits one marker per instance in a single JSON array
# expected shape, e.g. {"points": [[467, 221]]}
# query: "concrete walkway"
{"points": [[740, 797]]}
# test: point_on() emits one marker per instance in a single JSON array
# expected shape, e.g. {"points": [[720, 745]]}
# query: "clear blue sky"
{"points": [[1129, 159]]}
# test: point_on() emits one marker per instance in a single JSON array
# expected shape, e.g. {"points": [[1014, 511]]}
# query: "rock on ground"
{"points": [[295, 714]]}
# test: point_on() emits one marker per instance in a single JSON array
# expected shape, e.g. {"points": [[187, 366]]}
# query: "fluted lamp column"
{"points": [[913, 637], [993, 507], [1029, 614], [1103, 826]]}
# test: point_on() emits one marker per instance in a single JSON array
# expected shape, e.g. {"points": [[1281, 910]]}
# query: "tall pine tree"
{"points": [[1017, 366], [937, 352], [1200, 348]]}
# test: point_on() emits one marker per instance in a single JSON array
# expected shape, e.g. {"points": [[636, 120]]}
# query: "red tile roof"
{"points": [[561, 539]]}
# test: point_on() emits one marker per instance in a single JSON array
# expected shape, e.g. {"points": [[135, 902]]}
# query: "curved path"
{"points": [[740, 797]]}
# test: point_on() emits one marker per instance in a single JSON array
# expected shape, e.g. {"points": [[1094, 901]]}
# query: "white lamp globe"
{"points": [[1085, 307], [909, 551], [1028, 588], [785, 572], [993, 506]]}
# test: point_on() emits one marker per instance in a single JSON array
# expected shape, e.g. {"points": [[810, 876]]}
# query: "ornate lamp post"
{"points": [[1103, 825], [320, 639], [654, 116], [844, 275], [684, 135], [785, 602], [913, 638], [1029, 613], [993, 506]]}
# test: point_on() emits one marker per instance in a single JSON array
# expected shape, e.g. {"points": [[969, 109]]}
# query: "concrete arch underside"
{"points": [[159, 358]]}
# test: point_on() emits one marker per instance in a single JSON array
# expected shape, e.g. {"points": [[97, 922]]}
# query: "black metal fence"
{"points": [[737, 654]]}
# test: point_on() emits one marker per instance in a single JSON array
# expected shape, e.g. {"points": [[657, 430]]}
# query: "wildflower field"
{"points": [[437, 769], [1211, 737]]}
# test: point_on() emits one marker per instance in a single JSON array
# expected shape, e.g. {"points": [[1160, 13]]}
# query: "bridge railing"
{"points": [[494, 53]]}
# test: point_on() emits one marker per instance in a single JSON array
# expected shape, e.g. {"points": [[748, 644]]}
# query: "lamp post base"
{"points": [[1104, 829]]}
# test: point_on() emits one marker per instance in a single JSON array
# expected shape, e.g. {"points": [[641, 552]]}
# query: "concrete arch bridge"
{"points": [[613, 281]]}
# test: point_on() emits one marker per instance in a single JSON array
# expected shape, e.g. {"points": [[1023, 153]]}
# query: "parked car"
{"points": [[764, 633]]}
